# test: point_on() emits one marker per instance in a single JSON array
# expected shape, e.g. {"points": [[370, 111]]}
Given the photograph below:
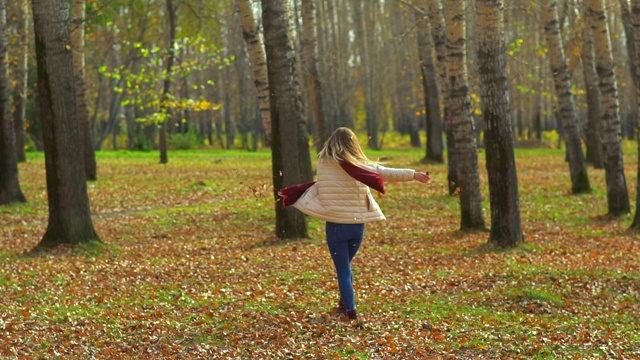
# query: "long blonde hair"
{"points": [[343, 145]]}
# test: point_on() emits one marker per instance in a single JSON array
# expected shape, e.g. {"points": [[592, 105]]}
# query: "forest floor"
{"points": [[189, 267]]}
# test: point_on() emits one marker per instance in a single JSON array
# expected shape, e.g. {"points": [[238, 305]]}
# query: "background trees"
{"points": [[125, 35], [377, 66]]}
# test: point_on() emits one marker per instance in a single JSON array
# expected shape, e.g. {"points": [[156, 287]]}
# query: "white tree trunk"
{"points": [[568, 117], [258, 59], [611, 135], [463, 126]]}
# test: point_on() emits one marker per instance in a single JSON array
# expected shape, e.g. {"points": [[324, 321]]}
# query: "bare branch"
{"points": [[414, 7]]}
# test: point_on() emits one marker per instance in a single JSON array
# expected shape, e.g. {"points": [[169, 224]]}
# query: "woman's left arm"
{"points": [[394, 175]]}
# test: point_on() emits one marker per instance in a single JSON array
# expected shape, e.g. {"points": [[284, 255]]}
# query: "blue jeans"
{"points": [[343, 241]]}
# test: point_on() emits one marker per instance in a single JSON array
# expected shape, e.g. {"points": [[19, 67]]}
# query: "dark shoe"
{"points": [[351, 314], [341, 309]]}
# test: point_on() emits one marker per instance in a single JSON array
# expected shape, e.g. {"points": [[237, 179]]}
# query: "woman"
{"points": [[341, 196]]}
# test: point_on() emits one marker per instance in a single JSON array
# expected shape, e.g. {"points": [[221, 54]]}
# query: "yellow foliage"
{"points": [[202, 105]]}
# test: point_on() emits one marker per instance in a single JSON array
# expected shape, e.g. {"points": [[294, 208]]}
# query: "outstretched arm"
{"points": [[394, 175]]}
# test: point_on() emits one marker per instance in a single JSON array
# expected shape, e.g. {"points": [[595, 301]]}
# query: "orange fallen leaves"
{"points": [[193, 271]]}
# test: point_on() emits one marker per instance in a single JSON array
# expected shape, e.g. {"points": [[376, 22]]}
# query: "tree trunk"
{"points": [[288, 162], [506, 229], [628, 122], [462, 120], [69, 215], [594, 110], [340, 69], [433, 116], [635, 20], [257, 57], [568, 117], [617, 195], [78, 25], [314, 84], [22, 78], [9, 180], [439, 42], [362, 42], [171, 14]]}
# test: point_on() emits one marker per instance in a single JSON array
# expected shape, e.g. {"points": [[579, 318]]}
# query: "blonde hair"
{"points": [[343, 145]]}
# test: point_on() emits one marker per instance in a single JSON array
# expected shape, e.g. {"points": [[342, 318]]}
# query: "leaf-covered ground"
{"points": [[191, 269]]}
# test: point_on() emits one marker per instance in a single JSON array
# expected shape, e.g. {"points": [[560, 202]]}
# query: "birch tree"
{"points": [[506, 229], [463, 128], [568, 117], [257, 57], [611, 135]]}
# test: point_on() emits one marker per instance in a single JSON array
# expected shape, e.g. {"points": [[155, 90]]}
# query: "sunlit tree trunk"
{"points": [[257, 57], [166, 88], [9, 181], [568, 117], [506, 229], [462, 121], [594, 110], [617, 195], [22, 78], [289, 164], [426, 52], [77, 33], [312, 75], [635, 20], [69, 215]]}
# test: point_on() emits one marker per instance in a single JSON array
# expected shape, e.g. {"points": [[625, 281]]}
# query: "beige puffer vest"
{"points": [[339, 198]]}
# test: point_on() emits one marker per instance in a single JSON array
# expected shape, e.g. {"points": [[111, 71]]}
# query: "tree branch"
{"points": [[414, 7]]}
